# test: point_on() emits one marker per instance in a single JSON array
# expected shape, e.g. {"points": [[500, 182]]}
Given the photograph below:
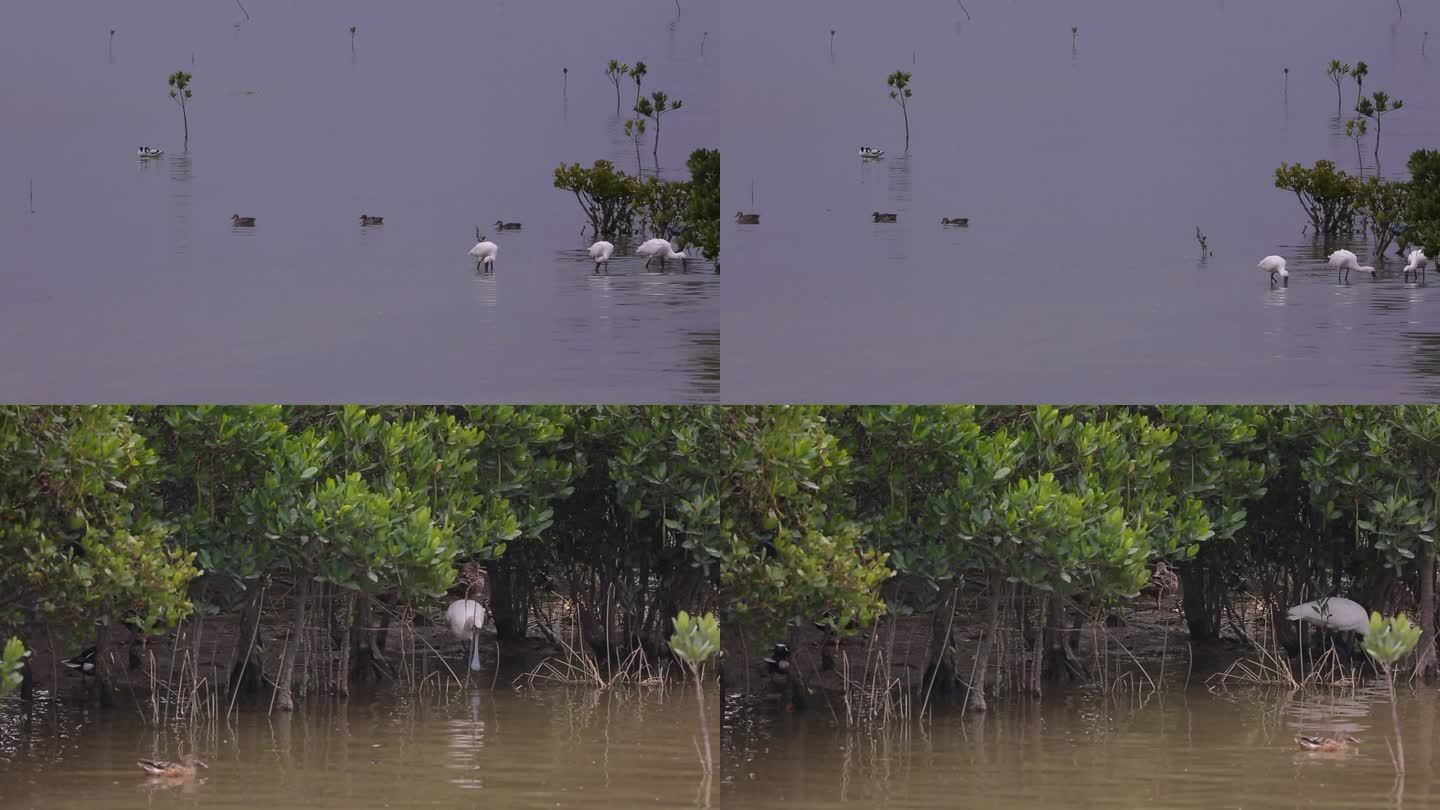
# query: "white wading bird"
{"points": [[484, 252], [466, 617], [1417, 263], [1275, 266], [600, 252], [660, 249], [1335, 613], [1345, 261]]}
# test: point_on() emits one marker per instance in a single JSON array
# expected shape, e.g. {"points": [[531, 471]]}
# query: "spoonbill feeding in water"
{"points": [[1275, 266], [661, 249], [1334, 613], [484, 252], [1417, 263], [600, 252], [466, 617], [1344, 261]]}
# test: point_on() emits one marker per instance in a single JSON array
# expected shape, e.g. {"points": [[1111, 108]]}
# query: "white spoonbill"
{"points": [[660, 249], [1275, 266], [600, 252], [1335, 613], [1345, 261], [484, 252], [1417, 263], [466, 617]]}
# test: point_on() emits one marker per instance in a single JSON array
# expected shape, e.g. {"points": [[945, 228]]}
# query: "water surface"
{"points": [[547, 748], [128, 283], [1182, 749], [1085, 171]]}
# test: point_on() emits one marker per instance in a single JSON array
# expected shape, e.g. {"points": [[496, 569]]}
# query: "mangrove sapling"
{"points": [[1374, 108], [1287, 83], [179, 82], [635, 131], [899, 84], [605, 195], [613, 71], [565, 82], [1358, 74], [1355, 130], [704, 35], [1387, 642], [1074, 35], [694, 642], [12, 659], [638, 73], [1337, 71], [653, 108]]}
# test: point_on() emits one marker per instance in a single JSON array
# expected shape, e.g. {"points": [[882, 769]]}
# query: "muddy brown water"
{"points": [[1179, 748], [128, 283], [533, 748]]}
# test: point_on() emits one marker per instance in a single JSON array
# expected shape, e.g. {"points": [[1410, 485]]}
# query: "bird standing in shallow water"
{"points": [[466, 617], [184, 769], [1334, 613], [661, 249], [484, 252], [1417, 263], [1345, 261], [601, 252], [1275, 266]]}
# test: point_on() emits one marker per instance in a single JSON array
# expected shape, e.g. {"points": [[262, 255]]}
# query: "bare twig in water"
{"points": [[967, 11], [242, 10]]}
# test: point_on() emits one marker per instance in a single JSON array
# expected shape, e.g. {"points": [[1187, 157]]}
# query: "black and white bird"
{"points": [[83, 663], [779, 660]]}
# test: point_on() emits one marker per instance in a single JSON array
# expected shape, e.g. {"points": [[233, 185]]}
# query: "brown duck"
{"points": [[163, 769], [242, 222]]}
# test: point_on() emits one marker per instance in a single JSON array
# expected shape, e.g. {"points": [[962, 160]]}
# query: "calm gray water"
{"points": [[128, 283], [1085, 172], [536, 749], [1179, 749]]}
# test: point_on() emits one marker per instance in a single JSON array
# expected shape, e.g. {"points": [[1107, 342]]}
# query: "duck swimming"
{"points": [[955, 221], [506, 226], [871, 152], [1325, 743], [879, 217], [148, 152], [242, 222], [747, 219], [184, 769], [364, 220]]}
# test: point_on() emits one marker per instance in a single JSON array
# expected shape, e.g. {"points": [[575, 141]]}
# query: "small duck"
{"points": [[506, 226], [1325, 743], [242, 222], [779, 661], [871, 152], [184, 769], [747, 219], [955, 221], [148, 152], [879, 217], [367, 220], [83, 663]]}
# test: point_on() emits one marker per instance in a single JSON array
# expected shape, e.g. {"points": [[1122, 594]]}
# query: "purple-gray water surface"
{"points": [[1085, 163], [127, 281]]}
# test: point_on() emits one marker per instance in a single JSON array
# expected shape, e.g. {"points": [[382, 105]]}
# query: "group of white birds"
{"points": [[662, 250], [1343, 261]]}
